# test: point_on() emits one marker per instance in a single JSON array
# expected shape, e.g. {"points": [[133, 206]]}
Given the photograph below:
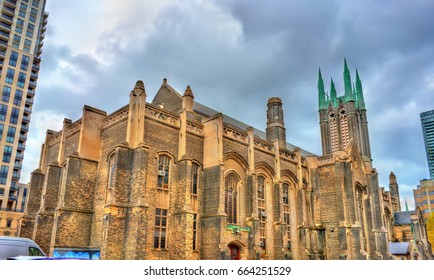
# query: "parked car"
{"points": [[18, 246]]}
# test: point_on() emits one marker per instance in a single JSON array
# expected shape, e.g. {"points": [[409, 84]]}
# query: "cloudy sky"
{"points": [[237, 54]]}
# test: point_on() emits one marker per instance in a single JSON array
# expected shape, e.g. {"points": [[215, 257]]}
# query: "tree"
{"points": [[430, 229]]}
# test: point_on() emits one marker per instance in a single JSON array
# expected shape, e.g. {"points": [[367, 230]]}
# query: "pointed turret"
{"points": [[347, 81], [188, 100], [359, 92], [392, 178], [321, 93], [139, 85], [275, 124], [333, 94], [136, 115], [394, 190]]}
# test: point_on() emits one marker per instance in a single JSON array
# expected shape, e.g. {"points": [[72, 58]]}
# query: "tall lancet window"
{"points": [[162, 202], [262, 214], [231, 197], [344, 128], [360, 212], [194, 199], [111, 178], [286, 211], [334, 136]]}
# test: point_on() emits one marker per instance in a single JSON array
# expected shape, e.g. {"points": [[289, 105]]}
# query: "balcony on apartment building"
{"points": [[4, 35], [10, 3], [6, 18], [8, 10]]}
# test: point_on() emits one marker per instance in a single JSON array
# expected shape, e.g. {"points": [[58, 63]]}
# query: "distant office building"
{"points": [[9, 220], [424, 197], [22, 29], [427, 120]]}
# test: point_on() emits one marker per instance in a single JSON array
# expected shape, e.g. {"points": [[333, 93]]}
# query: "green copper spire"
{"points": [[333, 95], [321, 93], [347, 80], [359, 92]]}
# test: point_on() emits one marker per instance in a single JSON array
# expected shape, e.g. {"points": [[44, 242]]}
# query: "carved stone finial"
{"points": [[188, 92], [140, 85]]}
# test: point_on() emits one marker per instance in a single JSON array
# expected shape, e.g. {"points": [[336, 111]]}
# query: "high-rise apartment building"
{"points": [[22, 29], [427, 120]]}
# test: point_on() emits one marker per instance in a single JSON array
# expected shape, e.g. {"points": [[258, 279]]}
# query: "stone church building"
{"points": [[174, 179]]}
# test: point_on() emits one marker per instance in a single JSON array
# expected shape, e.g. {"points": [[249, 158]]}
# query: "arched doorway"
{"points": [[235, 251]]}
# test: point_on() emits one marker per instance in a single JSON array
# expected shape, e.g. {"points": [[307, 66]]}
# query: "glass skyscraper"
{"points": [[22, 28], [427, 120]]}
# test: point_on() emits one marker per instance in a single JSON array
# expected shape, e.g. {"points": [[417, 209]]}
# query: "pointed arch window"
{"points": [[194, 186], [334, 135], [360, 212], [262, 214], [286, 213], [163, 172], [194, 199], [231, 198], [111, 171], [344, 128], [162, 203], [111, 178]]}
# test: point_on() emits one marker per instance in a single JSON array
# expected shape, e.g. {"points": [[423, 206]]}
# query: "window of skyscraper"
{"points": [[10, 76], [14, 115], [20, 22], [1, 131], [18, 97], [27, 45], [30, 27], [6, 94], [13, 58], [35, 3], [7, 152], [3, 112], [23, 7], [34, 12], [22, 13], [16, 41], [11, 134], [21, 79], [24, 62], [18, 30]]}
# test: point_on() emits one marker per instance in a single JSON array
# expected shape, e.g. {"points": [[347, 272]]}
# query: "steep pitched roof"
{"points": [[399, 248], [402, 217], [172, 101]]}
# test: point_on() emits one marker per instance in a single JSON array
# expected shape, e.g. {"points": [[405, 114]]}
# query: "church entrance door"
{"points": [[235, 251]]}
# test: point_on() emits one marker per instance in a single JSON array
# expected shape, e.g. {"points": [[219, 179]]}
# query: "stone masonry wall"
{"points": [[110, 138], [73, 217]]}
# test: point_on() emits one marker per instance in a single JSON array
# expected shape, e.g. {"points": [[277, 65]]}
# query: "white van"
{"points": [[18, 246]]}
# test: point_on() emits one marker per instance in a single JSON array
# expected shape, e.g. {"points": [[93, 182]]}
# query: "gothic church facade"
{"points": [[174, 179]]}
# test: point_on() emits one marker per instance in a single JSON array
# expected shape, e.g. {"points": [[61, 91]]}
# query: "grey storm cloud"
{"points": [[237, 54]]}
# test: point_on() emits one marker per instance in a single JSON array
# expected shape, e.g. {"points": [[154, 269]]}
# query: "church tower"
{"points": [[343, 118]]}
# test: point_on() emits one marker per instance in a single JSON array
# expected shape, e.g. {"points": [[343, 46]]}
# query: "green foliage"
{"points": [[430, 229]]}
